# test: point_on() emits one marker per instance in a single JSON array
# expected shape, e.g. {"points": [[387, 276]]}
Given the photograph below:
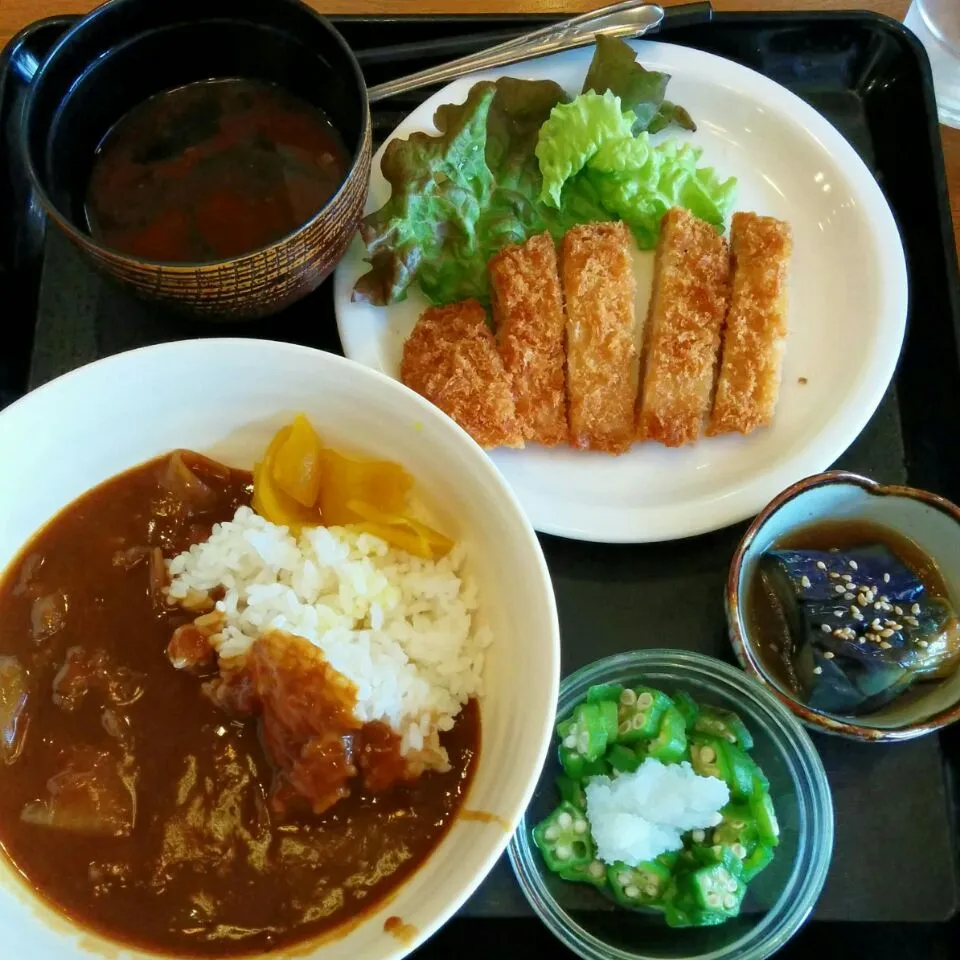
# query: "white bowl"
{"points": [[226, 398]]}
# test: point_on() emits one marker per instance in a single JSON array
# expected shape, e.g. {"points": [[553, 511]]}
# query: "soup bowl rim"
{"points": [[87, 240]]}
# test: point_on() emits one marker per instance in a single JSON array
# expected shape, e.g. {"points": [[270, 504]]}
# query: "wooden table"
{"points": [[15, 14]]}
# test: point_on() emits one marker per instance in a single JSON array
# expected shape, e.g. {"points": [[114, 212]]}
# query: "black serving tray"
{"points": [[896, 855]]}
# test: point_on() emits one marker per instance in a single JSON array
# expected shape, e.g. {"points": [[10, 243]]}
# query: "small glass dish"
{"points": [[778, 901]]}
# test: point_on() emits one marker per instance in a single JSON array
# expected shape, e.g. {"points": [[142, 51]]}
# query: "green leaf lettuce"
{"points": [[573, 134], [517, 158]]}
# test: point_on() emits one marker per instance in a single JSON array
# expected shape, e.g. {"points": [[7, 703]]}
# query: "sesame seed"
{"points": [[923, 643], [827, 655], [861, 639], [818, 670], [858, 615], [839, 634], [825, 627], [848, 596], [884, 645], [875, 623], [833, 576], [839, 588], [913, 621], [853, 564], [898, 611], [915, 609], [838, 613], [890, 623], [886, 633], [821, 565], [872, 637], [854, 611], [846, 577], [805, 583], [886, 578], [862, 599], [884, 599], [877, 605], [834, 550]]}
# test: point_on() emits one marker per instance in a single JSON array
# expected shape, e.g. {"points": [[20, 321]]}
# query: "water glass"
{"points": [[937, 24]]}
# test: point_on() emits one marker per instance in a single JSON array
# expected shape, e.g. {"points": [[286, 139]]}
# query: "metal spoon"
{"points": [[630, 19]]}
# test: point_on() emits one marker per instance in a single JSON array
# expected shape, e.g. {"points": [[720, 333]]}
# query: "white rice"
{"points": [[637, 816], [399, 627]]}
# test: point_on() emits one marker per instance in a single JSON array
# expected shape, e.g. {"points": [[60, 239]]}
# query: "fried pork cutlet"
{"points": [[597, 272], [528, 316], [682, 335], [451, 359], [756, 333]]}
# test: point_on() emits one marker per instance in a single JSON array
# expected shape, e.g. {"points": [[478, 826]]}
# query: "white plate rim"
{"points": [[693, 517]]}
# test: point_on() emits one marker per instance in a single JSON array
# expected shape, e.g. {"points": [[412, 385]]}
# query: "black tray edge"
{"points": [[527, 20]]}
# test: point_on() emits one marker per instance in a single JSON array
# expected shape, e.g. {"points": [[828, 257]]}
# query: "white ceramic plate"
{"points": [[848, 307], [226, 398]]}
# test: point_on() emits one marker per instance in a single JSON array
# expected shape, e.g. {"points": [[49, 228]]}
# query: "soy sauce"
{"points": [[212, 170]]}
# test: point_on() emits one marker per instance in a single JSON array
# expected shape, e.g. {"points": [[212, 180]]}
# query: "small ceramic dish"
{"points": [[929, 521]]}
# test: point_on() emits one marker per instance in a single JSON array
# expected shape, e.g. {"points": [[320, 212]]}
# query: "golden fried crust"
{"points": [[528, 316], [682, 334], [756, 333], [451, 359], [600, 289]]}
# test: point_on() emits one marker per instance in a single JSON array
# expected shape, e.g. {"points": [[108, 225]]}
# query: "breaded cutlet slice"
{"points": [[691, 290], [529, 322], [596, 270], [756, 333], [451, 359]]}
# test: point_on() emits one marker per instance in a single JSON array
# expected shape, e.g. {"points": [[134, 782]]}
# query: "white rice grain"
{"points": [[399, 627]]}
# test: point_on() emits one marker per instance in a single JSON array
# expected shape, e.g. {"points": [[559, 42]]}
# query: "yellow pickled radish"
{"points": [[381, 484], [296, 467], [400, 531], [270, 501]]}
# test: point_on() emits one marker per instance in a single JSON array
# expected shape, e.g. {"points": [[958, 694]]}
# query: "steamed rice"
{"points": [[399, 627]]}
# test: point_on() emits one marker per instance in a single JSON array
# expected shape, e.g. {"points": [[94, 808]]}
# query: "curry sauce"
{"points": [[128, 799]]}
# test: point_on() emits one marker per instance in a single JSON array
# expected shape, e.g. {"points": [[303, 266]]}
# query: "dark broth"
{"points": [[763, 623], [208, 869], [211, 171]]}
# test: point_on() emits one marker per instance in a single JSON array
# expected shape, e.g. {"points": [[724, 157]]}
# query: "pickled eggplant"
{"points": [[858, 626]]}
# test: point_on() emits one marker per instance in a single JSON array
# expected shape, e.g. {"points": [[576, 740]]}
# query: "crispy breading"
{"points": [[529, 321], [596, 269], [756, 334], [451, 359], [691, 291]]}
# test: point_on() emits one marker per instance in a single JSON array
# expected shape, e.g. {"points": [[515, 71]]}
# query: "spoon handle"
{"points": [[630, 19]]}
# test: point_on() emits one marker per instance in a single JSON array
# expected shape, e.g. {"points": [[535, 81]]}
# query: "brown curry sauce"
{"points": [[187, 853]]}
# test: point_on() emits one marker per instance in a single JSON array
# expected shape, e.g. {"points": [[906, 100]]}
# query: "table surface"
{"points": [[15, 14]]}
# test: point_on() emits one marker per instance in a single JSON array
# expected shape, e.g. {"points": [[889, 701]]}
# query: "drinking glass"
{"points": [[937, 25]]}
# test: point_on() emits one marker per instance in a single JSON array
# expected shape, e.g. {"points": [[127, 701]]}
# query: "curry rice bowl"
{"points": [[399, 627]]}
